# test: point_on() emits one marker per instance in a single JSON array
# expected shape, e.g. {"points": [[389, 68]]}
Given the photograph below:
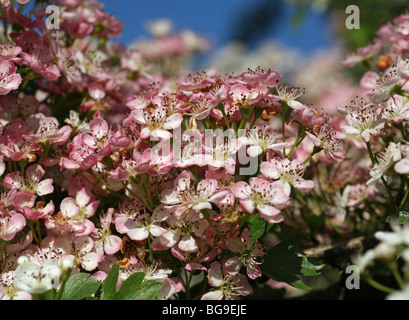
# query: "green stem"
{"points": [[46, 150], [404, 199], [3, 253], [148, 191], [395, 272], [38, 229], [206, 215], [379, 286], [225, 118], [141, 190], [313, 153], [297, 142], [284, 108], [109, 189], [187, 284], [30, 224], [150, 249], [65, 277], [368, 146]]}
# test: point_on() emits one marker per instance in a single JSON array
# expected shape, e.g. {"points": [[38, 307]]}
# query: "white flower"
{"points": [[399, 295], [33, 278], [385, 159], [262, 140], [399, 235]]}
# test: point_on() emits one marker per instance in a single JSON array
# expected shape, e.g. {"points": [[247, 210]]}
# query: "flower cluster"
{"points": [[112, 156]]}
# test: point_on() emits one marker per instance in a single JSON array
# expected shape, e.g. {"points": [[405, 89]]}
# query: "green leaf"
{"points": [[257, 227], [148, 291], [109, 284], [48, 295], [401, 217], [80, 286], [135, 288], [282, 264]]}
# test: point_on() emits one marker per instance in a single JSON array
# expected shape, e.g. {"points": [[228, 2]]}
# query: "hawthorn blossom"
{"points": [[9, 80], [289, 94], [105, 241], [363, 121], [30, 182], [384, 161], [184, 197], [396, 109], [246, 96], [228, 286], [10, 224], [220, 153], [46, 129], [268, 78], [71, 217], [78, 249], [248, 255], [290, 172], [156, 123], [265, 197], [141, 227], [182, 232], [7, 289], [324, 138], [261, 140], [195, 260], [33, 278]]}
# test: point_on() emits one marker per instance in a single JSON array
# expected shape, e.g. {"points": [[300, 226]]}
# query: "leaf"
{"points": [[148, 291], [135, 288], [109, 284], [257, 227], [401, 217], [282, 264], [48, 295], [80, 286]]}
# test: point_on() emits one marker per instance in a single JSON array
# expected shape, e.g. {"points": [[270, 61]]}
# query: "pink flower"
{"points": [[196, 81], [261, 140], [221, 154], [46, 129], [268, 78], [363, 121], [265, 197], [248, 251], [156, 123], [195, 260], [30, 182], [247, 96], [79, 249], [141, 227], [104, 240], [228, 286], [40, 211], [182, 232], [9, 80], [290, 172], [185, 197], [70, 218], [10, 224]]}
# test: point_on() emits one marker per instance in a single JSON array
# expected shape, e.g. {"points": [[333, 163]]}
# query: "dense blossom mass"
{"points": [[114, 155]]}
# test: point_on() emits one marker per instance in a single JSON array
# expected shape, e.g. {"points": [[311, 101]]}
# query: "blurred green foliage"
{"points": [[373, 14]]}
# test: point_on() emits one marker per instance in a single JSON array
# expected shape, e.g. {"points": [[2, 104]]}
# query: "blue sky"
{"points": [[214, 18]]}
